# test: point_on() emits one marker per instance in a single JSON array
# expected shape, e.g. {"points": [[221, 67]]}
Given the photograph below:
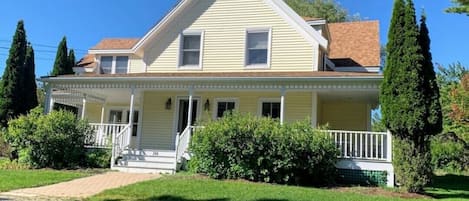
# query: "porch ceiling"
{"points": [[97, 95]]}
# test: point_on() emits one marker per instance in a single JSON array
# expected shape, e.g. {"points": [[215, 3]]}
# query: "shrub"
{"points": [[449, 153], [98, 158], [55, 140], [260, 149], [412, 166]]}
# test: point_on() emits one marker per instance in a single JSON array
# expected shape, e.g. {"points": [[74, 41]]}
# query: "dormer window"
{"points": [[114, 64], [191, 50]]}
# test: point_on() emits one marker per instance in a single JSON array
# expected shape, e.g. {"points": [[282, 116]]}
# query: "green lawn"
{"points": [[15, 179], [196, 188]]}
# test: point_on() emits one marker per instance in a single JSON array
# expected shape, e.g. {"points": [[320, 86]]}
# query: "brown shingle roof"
{"points": [[115, 43], [87, 61], [355, 43]]}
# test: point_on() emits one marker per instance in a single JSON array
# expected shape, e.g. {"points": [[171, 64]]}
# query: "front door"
{"points": [[183, 112]]}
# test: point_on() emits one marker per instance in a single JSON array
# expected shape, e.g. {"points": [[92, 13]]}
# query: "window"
{"points": [[271, 109], [257, 50], [223, 105], [191, 46], [106, 64], [116, 116], [134, 123], [114, 64], [122, 63]]}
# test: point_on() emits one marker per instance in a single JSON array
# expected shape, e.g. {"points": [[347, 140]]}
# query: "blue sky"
{"points": [[85, 22]]}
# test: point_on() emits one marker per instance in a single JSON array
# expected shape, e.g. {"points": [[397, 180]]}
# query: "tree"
{"points": [[325, 9], [460, 6], [408, 99], [10, 93], [62, 63], [29, 82], [71, 59]]}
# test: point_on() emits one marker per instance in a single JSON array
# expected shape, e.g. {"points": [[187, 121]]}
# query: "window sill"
{"points": [[190, 67], [257, 66]]}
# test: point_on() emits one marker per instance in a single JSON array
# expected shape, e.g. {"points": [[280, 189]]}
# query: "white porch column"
{"points": [[49, 101], [189, 116], [282, 106], [314, 110], [131, 112], [102, 112], [390, 176], [83, 107]]}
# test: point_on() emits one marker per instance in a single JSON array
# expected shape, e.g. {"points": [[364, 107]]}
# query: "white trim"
{"points": [[371, 69], [265, 100], [309, 33], [114, 63], [269, 47], [316, 22], [224, 99]]}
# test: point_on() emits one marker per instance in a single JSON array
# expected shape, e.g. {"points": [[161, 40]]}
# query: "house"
{"points": [[209, 56]]}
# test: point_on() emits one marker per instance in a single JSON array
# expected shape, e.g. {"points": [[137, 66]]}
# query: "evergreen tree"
{"points": [[29, 82], [460, 6], [71, 59], [62, 64], [325, 9], [409, 102], [10, 94]]}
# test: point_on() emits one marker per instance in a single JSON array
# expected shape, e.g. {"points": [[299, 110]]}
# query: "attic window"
{"points": [[258, 48], [191, 50]]}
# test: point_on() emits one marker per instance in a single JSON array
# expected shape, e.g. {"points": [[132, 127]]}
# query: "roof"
{"points": [[262, 74], [311, 18], [116, 43], [355, 43], [88, 61]]}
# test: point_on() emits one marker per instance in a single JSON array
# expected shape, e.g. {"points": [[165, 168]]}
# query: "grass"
{"points": [[196, 188], [16, 179]]}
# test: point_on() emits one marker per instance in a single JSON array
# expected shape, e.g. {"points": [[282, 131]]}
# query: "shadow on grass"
{"points": [[176, 198], [449, 186]]}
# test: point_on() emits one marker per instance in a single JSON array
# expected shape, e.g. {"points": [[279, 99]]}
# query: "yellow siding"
{"points": [[344, 116], [93, 112], [136, 65], [224, 23], [158, 123]]}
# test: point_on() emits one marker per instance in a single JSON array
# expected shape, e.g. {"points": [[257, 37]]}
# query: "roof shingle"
{"points": [[115, 43], [355, 43]]}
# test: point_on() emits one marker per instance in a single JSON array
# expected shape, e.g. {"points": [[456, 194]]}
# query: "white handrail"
{"points": [[365, 145], [182, 143], [102, 134], [120, 143]]}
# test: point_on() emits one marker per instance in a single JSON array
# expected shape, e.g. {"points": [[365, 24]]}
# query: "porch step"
{"points": [[147, 161]]}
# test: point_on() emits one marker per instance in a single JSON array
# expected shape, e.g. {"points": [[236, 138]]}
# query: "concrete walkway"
{"points": [[78, 188]]}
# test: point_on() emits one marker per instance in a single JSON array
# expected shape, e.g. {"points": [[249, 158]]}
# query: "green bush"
{"points": [[260, 149], [98, 158], [412, 166], [55, 140], [449, 153]]}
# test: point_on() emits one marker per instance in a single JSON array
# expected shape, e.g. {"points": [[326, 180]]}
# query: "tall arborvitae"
{"points": [[432, 91], [29, 81], [10, 94], [71, 59], [62, 64]]}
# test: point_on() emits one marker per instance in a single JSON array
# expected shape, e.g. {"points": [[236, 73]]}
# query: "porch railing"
{"points": [[102, 134], [182, 142], [362, 144], [121, 141]]}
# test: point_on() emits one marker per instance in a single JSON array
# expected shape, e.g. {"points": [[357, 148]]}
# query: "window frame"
{"points": [[217, 100], [268, 100], [269, 47], [114, 64], [180, 65]]}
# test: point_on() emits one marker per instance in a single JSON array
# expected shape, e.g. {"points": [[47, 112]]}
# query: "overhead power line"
{"points": [[48, 46]]}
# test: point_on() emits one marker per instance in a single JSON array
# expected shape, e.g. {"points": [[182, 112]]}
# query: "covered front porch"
{"points": [[160, 114]]}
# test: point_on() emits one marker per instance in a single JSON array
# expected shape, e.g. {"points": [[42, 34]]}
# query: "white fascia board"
{"points": [[160, 25], [298, 23], [316, 22]]}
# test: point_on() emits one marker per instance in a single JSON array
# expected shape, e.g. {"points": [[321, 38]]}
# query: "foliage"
{"points": [[7, 164], [55, 140], [450, 153], [184, 187], [71, 58], [260, 149], [62, 64], [377, 123], [410, 97], [460, 6], [22, 178], [329, 10], [10, 93], [98, 158], [29, 94]]}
